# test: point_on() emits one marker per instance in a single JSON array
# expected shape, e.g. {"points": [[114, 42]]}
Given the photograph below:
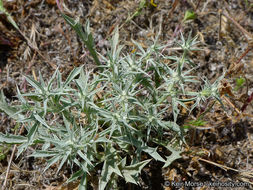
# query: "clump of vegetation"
{"points": [[114, 119]]}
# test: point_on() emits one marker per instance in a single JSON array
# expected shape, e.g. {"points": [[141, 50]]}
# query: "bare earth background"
{"points": [[221, 150]]}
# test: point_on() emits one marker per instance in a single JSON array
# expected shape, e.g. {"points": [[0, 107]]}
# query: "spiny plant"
{"points": [[9, 17], [111, 120]]}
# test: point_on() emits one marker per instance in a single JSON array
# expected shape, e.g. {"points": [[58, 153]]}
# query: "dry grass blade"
{"points": [[10, 161], [226, 168], [245, 32], [246, 176], [220, 138], [174, 5]]}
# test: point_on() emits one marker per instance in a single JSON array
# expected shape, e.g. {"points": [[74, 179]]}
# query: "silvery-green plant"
{"points": [[107, 120]]}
